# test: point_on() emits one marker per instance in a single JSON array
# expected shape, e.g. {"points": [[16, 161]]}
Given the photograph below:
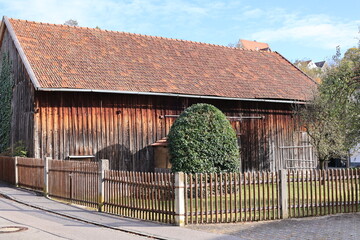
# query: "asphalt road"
{"points": [[332, 227], [43, 225]]}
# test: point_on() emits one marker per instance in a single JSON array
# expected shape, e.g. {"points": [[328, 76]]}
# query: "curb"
{"points": [[142, 234]]}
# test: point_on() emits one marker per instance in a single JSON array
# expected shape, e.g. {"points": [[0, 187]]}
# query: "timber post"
{"points": [[284, 194], [179, 199], [46, 176], [16, 172], [103, 166]]}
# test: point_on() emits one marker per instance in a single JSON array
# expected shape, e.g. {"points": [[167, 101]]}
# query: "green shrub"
{"points": [[202, 140], [18, 151]]}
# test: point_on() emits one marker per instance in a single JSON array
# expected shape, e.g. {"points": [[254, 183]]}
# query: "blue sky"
{"points": [[296, 29]]}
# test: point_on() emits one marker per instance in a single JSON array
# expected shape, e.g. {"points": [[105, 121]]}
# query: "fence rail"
{"points": [[148, 196]]}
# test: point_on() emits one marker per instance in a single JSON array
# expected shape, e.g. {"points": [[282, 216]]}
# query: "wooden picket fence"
{"points": [[30, 173], [208, 198], [74, 181], [256, 196], [7, 169], [142, 195], [323, 192], [231, 197]]}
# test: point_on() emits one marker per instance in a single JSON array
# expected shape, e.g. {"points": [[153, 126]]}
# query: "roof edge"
{"points": [[170, 95], [297, 68], [21, 52], [144, 35]]}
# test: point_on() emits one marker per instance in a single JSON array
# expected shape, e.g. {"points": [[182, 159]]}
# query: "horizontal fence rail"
{"points": [[7, 169], [30, 173], [322, 192], [148, 196], [74, 181], [231, 197]]}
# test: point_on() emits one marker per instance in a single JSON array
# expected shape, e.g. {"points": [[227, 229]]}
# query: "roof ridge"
{"points": [[142, 35]]}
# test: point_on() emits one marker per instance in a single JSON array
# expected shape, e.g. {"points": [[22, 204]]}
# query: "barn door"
{"points": [[299, 155]]}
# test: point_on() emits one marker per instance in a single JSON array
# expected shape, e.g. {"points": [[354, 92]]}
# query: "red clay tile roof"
{"points": [[253, 45], [82, 58]]}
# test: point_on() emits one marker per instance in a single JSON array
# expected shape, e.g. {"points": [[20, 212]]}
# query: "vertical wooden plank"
{"points": [[211, 198], [336, 190], [268, 196], [263, 195], [250, 202], [294, 181], [259, 195], [302, 193], [245, 201], [206, 198], [332, 183], [191, 199], [357, 179], [321, 191], [186, 189], [348, 189], [340, 190], [196, 200], [328, 175], [216, 199], [235, 195], [201, 197], [221, 196], [353, 192], [254, 194], [241, 176], [307, 193], [273, 195], [226, 195], [316, 193], [231, 199]]}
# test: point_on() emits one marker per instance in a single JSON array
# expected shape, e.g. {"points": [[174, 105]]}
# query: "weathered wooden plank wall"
{"points": [[121, 127], [22, 124]]}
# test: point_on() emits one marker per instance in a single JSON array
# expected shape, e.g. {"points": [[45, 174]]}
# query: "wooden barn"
{"points": [[81, 92]]}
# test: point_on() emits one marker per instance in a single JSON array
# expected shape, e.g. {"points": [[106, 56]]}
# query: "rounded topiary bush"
{"points": [[202, 140]]}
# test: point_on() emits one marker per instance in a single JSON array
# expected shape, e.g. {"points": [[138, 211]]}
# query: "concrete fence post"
{"points": [[46, 176], [104, 166], [179, 199], [284, 194], [16, 172]]}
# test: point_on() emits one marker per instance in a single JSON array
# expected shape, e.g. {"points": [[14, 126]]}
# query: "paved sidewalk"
{"points": [[156, 230]]}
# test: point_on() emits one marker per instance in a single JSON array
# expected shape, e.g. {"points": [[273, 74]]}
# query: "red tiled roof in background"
{"points": [[253, 45], [82, 58]]}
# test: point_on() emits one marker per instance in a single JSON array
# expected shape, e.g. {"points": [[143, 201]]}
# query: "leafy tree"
{"points": [[332, 119], [71, 22], [202, 140], [6, 88]]}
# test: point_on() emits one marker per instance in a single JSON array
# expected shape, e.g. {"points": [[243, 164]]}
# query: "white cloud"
{"points": [[313, 30]]}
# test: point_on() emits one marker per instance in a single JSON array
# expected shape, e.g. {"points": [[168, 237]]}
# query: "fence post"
{"points": [[179, 199], [104, 166], [16, 172], [284, 194], [46, 176]]}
